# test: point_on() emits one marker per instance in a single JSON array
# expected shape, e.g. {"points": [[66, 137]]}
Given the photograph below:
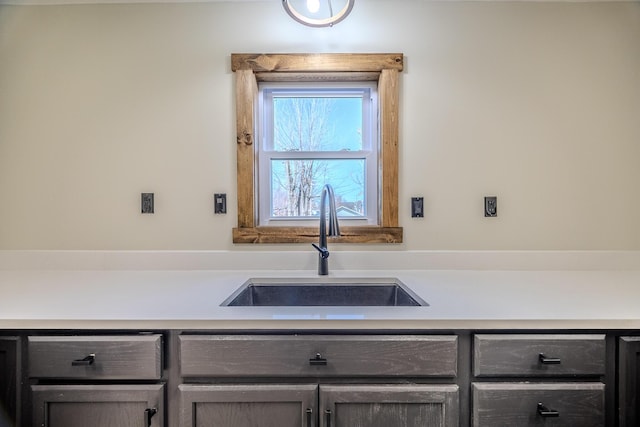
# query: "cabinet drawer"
{"points": [[114, 357], [548, 404], [318, 356], [538, 355]]}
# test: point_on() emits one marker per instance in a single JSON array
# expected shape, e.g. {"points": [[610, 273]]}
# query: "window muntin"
{"points": [[314, 134]]}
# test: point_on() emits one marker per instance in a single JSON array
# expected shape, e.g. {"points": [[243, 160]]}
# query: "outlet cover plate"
{"points": [[490, 206], [146, 200], [417, 207], [220, 203]]}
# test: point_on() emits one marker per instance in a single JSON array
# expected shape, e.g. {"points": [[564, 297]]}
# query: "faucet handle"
{"points": [[324, 252]]}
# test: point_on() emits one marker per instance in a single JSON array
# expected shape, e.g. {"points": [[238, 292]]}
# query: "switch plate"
{"points": [[146, 201], [220, 203], [417, 207], [490, 206]]}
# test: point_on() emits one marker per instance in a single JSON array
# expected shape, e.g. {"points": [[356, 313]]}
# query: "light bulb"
{"points": [[313, 5]]}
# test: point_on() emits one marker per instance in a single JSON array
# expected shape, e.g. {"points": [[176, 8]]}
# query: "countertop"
{"points": [[190, 299]]}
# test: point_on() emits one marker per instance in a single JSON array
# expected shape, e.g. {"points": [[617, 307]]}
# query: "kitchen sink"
{"points": [[290, 292]]}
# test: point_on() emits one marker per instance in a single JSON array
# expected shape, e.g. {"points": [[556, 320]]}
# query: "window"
{"points": [[315, 134], [363, 167]]}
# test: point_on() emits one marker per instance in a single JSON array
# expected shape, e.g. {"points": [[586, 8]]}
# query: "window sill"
{"points": [[371, 234]]}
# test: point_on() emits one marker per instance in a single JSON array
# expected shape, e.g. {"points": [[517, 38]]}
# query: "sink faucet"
{"points": [[334, 228]]}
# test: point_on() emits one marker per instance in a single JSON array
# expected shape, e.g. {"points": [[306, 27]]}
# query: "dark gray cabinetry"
{"points": [[389, 405], [278, 405], [98, 405], [538, 379], [461, 379], [538, 404], [369, 380], [337, 355], [96, 381], [261, 405], [538, 355], [96, 357], [9, 381], [629, 381]]}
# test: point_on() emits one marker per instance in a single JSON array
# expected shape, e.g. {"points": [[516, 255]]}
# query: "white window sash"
{"points": [[369, 152]]}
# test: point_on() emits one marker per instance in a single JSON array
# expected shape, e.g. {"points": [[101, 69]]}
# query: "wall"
{"points": [[535, 102]]}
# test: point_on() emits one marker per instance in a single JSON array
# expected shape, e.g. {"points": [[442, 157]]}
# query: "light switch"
{"points": [[220, 203]]}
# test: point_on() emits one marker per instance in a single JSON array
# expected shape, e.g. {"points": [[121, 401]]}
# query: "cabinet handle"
{"points": [[548, 360], [148, 414], [327, 414], [86, 361], [545, 412], [309, 413], [318, 360]]}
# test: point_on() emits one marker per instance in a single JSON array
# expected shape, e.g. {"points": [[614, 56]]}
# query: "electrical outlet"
{"points": [[147, 203], [490, 206], [220, 203], [417, 207]]}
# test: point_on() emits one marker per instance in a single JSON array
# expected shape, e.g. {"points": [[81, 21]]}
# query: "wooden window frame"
{"points": [[249, 69]]}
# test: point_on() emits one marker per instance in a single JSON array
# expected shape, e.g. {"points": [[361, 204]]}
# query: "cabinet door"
{"points": [[629, 374], [8, 381], [389, 405], [98, 405], [248, 405]]}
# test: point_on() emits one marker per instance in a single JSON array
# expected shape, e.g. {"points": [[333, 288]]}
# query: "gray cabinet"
{"points": [[96, 381], [98, 405], [459, 379], [629, 381], [538, 404], [108, 357], [334, 368], [389, 405], [271, 405], [282, 405], [318, 355], [9, 381], [538, 379], [539, 355]]}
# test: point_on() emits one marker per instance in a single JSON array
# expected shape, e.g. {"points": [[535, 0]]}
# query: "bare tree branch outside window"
{"points": [[305, 125]]}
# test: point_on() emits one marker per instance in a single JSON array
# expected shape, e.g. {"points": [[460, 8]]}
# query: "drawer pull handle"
{"points": [[148, 414], [548, 360], [309, 413], [545, 412], [318, 360], [327, 413], [86, 361]]}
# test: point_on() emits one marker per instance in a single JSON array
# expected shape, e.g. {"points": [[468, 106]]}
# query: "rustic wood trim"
{"points": [[370, 76], [317, 62], [365, 234], [251, 68], [246, 96], [389, 129]]}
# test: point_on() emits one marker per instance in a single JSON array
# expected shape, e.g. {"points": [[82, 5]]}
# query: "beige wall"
{"points": [[535, 102]]}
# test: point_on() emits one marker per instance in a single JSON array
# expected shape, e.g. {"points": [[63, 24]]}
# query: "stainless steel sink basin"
{"points": [[324, 292]]}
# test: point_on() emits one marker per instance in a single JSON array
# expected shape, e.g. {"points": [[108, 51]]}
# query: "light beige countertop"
{"points": [[190, 299]]}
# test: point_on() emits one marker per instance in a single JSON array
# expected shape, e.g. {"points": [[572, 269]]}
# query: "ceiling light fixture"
{"points": [[318, 13], [313, 6]]}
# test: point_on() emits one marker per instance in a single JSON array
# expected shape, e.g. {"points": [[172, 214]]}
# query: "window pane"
{"points": [[296, 186], [317, 123]]}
